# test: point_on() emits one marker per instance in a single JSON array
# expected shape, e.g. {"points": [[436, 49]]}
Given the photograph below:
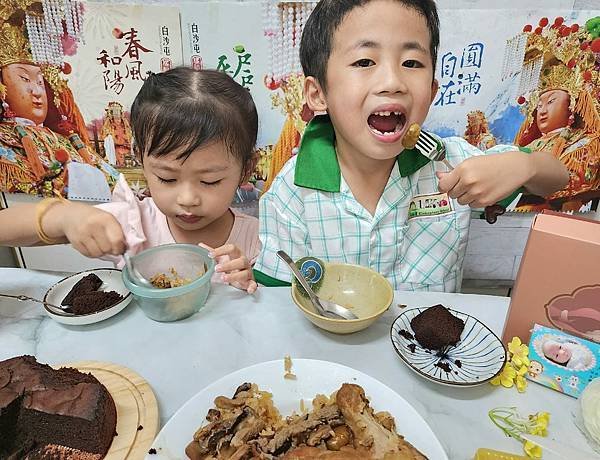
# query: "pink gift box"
{"points": [[558, 284]]}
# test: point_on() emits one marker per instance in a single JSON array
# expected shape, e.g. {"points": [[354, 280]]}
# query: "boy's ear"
{"points": [[435, 85], [314, 95]]}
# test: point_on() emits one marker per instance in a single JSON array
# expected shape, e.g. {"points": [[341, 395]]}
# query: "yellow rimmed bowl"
{"points": [[362, 290]]}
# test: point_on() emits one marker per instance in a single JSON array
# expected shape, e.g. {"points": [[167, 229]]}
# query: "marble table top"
{"points": [[235, 330]]}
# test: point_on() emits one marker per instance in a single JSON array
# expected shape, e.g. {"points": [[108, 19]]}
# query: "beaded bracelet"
{"points": [[40, 210]]}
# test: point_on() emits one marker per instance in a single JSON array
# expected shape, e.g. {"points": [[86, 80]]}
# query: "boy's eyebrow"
{"points": [[406, 46]]}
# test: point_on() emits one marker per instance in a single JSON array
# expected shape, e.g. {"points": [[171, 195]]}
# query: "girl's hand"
{"points": [[234, 266], [91, 231]]}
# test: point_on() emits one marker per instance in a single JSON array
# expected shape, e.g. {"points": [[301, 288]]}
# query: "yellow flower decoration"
{"points": [[519, 352], [513, 373], [520, 381], [540, 424], [506, 378], [514, 425], [532, 450]]}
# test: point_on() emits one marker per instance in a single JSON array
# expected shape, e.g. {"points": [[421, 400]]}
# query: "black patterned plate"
{"points": [[477, 358]]}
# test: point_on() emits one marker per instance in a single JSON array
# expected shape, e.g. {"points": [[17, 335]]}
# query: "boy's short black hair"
{"points": [[183, 109], [317, 37]]}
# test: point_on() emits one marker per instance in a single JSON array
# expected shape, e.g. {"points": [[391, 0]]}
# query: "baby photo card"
{"points": [[561, 361]]}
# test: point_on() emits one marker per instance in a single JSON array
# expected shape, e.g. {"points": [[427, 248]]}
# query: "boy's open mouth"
{"points": [[386, 123]]}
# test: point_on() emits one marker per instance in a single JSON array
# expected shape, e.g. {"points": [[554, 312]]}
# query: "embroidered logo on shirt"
{"points": [[433, 204]]}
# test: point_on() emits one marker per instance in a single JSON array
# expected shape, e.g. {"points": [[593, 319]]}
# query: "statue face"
{"points": [[25, 91], [553, 110], [115, 111], [474, 121]]}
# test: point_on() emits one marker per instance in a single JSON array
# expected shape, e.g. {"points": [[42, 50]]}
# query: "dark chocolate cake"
{"points": [[91, 302], [86, 284], [84, 297], [44, 412], [436, 328]]}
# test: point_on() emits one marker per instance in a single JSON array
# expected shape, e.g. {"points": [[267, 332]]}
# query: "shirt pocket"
{"points": [[430, 250]]}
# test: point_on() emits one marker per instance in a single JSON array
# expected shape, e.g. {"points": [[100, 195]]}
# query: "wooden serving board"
{"points": [[136, 407]]}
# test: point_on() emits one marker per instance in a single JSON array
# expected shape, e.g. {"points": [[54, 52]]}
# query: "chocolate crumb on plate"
{"points": [[407, 335], [444, 366]]}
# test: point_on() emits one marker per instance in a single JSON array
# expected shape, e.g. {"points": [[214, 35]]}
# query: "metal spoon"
{"points": [[136, 276], [64, 311], [324, 307]]}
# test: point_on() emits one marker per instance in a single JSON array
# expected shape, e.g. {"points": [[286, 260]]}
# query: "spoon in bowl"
{"points": [[324, 307], [135, 275], [56, 309]]}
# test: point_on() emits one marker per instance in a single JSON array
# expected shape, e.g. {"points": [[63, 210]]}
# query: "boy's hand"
{"points": [[234, 266], [484, 180], [91, 231]]}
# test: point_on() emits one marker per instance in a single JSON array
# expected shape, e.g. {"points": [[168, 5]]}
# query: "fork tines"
{"points": [[430, 147]]}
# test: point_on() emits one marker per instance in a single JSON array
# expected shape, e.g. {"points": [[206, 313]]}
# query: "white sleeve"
{"points": [[281, 227]]}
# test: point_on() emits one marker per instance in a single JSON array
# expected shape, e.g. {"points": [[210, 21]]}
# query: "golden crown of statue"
{"points": [[15, 46], [557, 56], [43, 26], [29, 34]]}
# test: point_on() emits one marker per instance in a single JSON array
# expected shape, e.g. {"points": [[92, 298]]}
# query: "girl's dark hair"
{"points": [[183, 109], [317, 37]]}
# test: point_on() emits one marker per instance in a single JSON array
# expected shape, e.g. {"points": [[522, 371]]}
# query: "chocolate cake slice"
{"points": [[436, 328], [41, 407], [94, 301], [86, 284]]}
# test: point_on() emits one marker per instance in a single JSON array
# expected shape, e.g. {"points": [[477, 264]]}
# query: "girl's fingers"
{"points": [[252, 287], [242, 276], [80, 247], [92, 249], [231, 265], [249, 286], [227, 249], [104, 243]]}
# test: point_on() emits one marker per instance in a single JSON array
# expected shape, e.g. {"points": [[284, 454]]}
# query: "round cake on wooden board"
{"points": [[42, 408]]}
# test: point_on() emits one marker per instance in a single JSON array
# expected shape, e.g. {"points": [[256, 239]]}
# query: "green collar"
{"points": [[317, 165]]}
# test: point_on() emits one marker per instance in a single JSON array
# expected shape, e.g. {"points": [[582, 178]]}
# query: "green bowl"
{"points": [[176, 303]]}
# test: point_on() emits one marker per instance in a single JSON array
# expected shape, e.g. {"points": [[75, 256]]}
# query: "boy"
{"points": [[349, 195]]}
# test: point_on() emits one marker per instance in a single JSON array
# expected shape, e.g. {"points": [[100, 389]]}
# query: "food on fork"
{"points": [[412, 135], [343, 426]]}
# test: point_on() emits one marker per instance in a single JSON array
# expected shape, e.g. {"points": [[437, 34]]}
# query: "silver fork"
{"points": [[433, 148]]}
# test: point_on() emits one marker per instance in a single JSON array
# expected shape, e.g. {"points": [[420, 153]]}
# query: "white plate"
{"points": [[112, 281], [313, 377], [480, 352]]}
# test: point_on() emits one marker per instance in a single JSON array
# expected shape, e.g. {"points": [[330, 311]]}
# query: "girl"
{"points": [[194, 133]]}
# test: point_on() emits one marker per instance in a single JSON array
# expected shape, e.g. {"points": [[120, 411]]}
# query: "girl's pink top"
{"points": [[145, 226]]}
